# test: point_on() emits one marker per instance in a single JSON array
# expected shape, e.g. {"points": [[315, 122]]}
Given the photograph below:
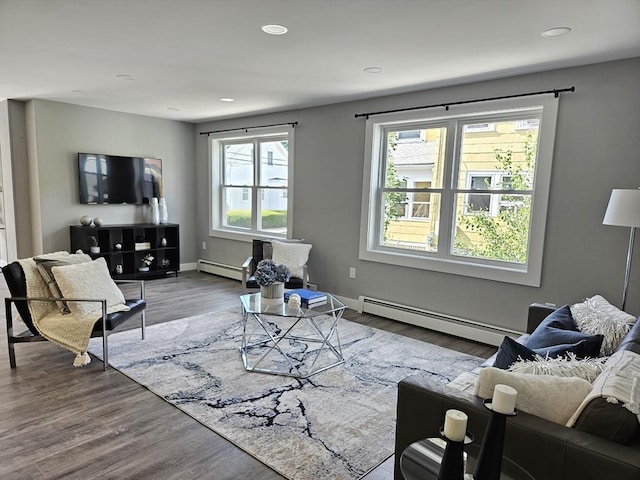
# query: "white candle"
{"points": [[504, 399], [455, 425]]}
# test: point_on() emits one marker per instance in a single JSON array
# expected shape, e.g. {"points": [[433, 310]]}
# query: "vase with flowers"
{"points": [[145, 263], [271, 277]]}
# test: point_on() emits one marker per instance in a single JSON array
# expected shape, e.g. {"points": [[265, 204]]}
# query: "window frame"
{"points": [[216, 179], [370, 247]]}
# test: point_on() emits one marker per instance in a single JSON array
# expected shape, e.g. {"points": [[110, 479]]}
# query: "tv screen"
{"points": [[118, 179]]}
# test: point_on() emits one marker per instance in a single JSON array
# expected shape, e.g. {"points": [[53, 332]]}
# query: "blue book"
{"points": [[308, 297]]}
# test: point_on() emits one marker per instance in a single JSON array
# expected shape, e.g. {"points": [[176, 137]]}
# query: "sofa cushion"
{"points": [[552, 398], [46, 262], [560, 329], [565, 366], [510, 350], [293, 255], [91, 281], [597, 316]]}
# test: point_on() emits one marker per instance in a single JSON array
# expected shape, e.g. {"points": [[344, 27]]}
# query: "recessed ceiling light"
{"points": [[556, 32], [79, 92], [373, 69], [173, 109], [125, 76], [227, 99], [275, 29]]}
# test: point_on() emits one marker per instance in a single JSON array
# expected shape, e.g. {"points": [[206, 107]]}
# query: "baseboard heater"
{"points": [[459, 327], [227, 271]]}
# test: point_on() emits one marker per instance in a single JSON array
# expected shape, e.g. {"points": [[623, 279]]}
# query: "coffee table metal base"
{"points": [[293, 346]]}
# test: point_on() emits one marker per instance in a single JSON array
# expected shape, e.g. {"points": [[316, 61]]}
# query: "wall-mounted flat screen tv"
{"points": [[115, 179]]}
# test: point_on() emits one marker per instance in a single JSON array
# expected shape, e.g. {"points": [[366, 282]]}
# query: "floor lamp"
{"points": [[624, 211]]}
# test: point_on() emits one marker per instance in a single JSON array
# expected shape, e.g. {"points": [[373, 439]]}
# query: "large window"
{"points": [[250, 188], [462, 192]]}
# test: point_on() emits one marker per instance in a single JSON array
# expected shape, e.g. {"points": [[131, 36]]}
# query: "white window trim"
{"points": [[216, 229], [529, 274]]}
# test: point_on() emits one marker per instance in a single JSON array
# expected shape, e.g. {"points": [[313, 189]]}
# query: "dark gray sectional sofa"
{"points": [[547, 450]]}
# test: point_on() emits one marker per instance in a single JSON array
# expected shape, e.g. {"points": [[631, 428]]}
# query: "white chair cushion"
{"points": [[293, 255]]}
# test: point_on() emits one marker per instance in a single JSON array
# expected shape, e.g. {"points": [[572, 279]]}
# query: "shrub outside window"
{"points": [[455, 192]]}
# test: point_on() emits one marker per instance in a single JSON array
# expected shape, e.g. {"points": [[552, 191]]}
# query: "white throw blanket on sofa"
{"points": [[67, 330], [618, 383]]}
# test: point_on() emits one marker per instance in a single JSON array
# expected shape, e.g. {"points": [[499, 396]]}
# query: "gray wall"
{"points": [[597, 148], [56, 132]]}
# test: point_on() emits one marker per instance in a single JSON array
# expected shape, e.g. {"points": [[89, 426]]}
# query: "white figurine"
{"points": [[294, 301]]}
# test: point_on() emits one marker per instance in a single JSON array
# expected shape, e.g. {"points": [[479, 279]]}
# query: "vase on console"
{"points": [[164, 214], [154, 211]]}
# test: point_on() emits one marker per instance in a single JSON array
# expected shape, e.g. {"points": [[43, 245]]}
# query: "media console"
{"points": [[124, 247]]}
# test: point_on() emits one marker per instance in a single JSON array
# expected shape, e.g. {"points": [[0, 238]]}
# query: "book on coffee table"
{"points": [[308, 298]]}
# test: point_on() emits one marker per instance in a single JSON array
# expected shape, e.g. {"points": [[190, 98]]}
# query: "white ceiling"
{"points": [[187, 54]]}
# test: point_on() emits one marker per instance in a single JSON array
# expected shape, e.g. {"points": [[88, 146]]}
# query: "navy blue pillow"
{"points": [[558, 334], [510, 350]]}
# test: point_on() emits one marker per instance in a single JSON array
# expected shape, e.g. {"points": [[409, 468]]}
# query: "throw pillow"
{"points": [[46, 262], [565, 366], [557, 329], [597, 316], [510, 350], [293, 255], [91, 281], [552, 398]]}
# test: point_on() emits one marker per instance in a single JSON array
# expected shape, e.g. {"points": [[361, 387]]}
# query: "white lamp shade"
{"points": [[623, 209]]}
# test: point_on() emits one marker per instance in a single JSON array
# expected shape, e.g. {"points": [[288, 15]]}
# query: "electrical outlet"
{"points": [[204, 245], [352, 272]]}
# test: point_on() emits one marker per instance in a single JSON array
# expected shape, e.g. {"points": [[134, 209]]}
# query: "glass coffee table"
{"points": [[296, 342]]}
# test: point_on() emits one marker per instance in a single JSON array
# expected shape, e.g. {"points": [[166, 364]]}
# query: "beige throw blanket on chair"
{"points": [[67, 330]]}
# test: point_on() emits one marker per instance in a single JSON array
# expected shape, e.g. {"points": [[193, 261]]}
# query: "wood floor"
{"points": [[60, 422]]}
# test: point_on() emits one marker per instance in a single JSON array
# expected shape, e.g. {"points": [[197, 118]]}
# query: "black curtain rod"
{"points": [[293, 124], [555, 92]]}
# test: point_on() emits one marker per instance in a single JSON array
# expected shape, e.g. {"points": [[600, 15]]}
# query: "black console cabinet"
{"points": [[124, 247]]}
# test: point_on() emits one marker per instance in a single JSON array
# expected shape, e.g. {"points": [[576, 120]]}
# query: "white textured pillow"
{"points": [[596, 316], [552, 398], [565, 366], [92, 281], [293, 255]]}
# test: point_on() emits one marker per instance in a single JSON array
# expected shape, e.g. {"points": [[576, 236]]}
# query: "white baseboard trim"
{"points": [[227, 271], [185, 267], [459, 327]]}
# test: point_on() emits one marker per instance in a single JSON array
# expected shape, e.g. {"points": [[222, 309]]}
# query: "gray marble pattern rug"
{"points": [[338, 424]]}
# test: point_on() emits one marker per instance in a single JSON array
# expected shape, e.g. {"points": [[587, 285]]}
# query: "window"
{"points": [[456, 201], [250, 190]]}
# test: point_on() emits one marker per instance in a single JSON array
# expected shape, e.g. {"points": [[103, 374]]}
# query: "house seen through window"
{"points": [[250, 184], [455, 192]]}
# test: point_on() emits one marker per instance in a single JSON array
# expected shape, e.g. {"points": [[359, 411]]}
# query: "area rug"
{"points": [[338, 424]]}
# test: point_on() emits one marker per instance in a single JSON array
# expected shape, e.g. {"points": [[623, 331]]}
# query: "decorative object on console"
{"points": [[271, 277], [502, 405], [94, 247], [154, 212], [164, 214], [455, 434], [163, 242], [141, 243], [85, 220], [97, 221], [117, 246], [119, 269], [623, 210], [146, 262]]}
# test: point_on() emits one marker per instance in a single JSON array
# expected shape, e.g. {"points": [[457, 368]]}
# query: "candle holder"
{"points": [[452, 463], [489, 462]]}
